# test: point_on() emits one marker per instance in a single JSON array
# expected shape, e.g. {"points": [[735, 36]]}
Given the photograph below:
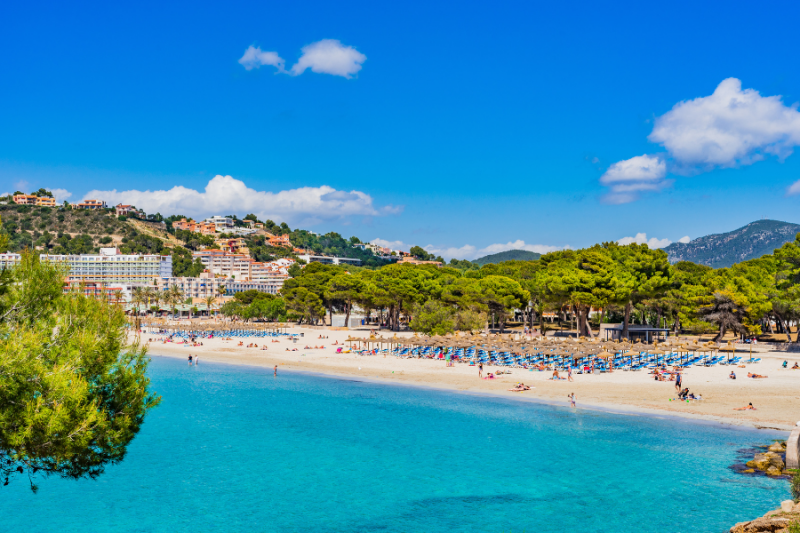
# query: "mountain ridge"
{"points": [[724, 249]]}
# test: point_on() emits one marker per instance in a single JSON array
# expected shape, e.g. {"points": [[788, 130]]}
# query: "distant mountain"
{"points": [[754, 240], [510, 255]]}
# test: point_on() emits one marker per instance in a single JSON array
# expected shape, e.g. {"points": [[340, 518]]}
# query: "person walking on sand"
{"points": [[569, 372], [480, 370], [678, 381], [572, 399]]}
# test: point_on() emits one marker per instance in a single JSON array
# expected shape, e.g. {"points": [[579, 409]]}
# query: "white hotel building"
{"points": [[109, 267]]}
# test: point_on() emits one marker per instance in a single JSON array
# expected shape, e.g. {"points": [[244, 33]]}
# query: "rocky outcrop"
{"points": [[776, 521], [770, 462]]}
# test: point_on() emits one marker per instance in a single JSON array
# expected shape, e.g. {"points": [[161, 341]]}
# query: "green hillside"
{"points": [[510, 255], [724, 249]]}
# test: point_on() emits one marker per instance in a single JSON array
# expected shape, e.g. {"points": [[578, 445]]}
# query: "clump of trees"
{"points": [[628, 284], [255, 305]]}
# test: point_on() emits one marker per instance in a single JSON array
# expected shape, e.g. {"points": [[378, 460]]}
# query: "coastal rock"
{"points": [[772, 471], [748, 471], [773, 522], [777, 462], [787, 506], [777, 447], [760, 461]]}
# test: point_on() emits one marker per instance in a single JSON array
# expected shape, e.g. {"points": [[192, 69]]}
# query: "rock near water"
{"points": [[776, 521]]}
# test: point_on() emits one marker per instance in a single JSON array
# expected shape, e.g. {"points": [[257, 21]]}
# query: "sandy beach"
{"points": [[776, 398]]}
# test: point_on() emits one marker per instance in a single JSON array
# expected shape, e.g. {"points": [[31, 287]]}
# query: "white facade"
{"points": [[223, 224], [207, 285], [308, 258], [108, 267]]}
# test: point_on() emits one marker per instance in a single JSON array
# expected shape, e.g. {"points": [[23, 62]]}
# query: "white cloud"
{"points": [[794, 188], [684, 239], [329, 56], [393, 245], [628, 178], [254, 57], [652, 242], [61, 195], [642, 168], [729, 128], [225, 195]]}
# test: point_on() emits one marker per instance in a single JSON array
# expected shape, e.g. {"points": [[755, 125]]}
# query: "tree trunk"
{"points": [[330, 315], [346, 315], [784, 327], [722, 330], [626, 320]]}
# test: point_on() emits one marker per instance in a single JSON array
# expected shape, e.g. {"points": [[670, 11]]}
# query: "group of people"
{"points": [[686, 395], [795, 367]]}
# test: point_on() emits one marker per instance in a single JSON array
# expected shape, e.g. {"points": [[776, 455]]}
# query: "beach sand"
{"points": [[777, 398]]}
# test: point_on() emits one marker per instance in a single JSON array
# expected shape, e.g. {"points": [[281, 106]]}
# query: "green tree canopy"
{"points": [[73, 392]]}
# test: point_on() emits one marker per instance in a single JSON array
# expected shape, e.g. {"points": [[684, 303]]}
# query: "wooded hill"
{"points": [[510, 255], [724, 249]]}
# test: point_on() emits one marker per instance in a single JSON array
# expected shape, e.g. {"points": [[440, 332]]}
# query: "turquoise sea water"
{"points": [[233, 449]]}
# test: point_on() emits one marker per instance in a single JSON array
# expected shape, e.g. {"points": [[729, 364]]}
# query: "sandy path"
{"points": [[777, 398]]}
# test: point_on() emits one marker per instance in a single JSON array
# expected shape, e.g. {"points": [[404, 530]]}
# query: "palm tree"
{"points": [[152, 296], [209, 302], [138, 297], [173, 298]]}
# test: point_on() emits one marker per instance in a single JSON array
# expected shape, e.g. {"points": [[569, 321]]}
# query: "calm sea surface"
{"points": [[233, 449]]}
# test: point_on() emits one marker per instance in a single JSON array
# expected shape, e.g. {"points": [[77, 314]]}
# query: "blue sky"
{"points": [[465, 127]]}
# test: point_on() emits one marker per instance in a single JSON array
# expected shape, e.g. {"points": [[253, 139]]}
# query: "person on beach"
{"points": [[572, 399], [732, 375], [756, 376], [480, 370], [196, 359], [796, 366], [678, 381], [276, 371], [190, 359], [748, 407], [569, 373]]}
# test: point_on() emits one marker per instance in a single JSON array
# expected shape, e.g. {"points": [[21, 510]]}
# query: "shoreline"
{"points": [[601, 408], [625, 393]]}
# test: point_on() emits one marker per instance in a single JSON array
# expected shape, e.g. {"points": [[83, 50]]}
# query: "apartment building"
{"points": [[108, 269], [221, 223], [90, 204], [279, 240], [112, 267], [125, 210], [236, 245], [207, 285], [222, 263], [241, 267], [195, 227], [29, 199]]}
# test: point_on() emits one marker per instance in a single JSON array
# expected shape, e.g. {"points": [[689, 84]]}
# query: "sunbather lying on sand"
{"points": [[520, 387], [748, 407], [749, 375]]}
